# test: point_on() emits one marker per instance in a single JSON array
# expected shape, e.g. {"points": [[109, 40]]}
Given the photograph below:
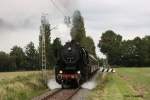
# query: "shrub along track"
{"points": [[58, 94]]}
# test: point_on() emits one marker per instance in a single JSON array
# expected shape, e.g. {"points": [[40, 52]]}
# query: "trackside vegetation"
{"points": [[125, 84], [21, 85]]}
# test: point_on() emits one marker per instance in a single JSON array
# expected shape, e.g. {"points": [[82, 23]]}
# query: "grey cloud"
{"points": [[29, 22], [4, 25], [122, 16], [25, 23]]}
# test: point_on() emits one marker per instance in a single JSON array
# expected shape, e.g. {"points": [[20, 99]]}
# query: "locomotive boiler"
{"points": [[74, 65]]}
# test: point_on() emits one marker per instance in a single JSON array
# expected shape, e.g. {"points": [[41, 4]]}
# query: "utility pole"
{"points": [[45, 32], [44, 24]]}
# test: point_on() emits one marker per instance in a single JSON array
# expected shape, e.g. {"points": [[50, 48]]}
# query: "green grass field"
{"points": [[125, 84], [21, 85]]}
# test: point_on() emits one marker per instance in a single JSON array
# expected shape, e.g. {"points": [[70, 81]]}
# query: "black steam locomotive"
{"points": [[74, 65]]}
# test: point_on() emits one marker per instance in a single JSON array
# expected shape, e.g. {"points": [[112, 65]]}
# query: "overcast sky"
{"points": [[20, 19]]}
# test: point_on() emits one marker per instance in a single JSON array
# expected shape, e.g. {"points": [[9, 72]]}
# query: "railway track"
{"points": [[59, 94]]}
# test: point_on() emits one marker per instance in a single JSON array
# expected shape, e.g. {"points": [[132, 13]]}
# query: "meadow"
{"points": [[21, 85], [125, 84]]}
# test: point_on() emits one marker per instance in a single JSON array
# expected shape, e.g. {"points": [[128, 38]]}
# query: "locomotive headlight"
{"points": [[78, 72], [60, 71]]}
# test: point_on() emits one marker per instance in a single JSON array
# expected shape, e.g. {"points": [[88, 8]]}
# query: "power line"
{"points": [[65, 8], [57, 8], [67, 18]]}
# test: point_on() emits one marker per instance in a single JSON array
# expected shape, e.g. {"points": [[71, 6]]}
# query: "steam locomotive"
{"points": [[75, 65]]}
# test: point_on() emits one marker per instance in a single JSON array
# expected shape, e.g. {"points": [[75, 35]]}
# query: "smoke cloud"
{"points": [[52, 84], [92, 83]]}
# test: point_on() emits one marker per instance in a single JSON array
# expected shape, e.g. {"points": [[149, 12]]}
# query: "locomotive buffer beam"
{"points": [[102, 69]]}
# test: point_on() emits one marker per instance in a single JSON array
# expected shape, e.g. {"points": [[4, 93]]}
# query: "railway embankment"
{"points": [[21, 85], [125, 84]]}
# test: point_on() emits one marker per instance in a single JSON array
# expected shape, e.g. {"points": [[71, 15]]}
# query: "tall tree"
{"points": [[7, 63], [20, 58], [78, 30], [31, 56], [145, 50], [110, 45], [88, 43], [56, 47], [54, 51], [128, 53]]}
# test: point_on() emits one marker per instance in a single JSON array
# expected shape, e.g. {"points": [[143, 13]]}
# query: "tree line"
{"points": [[28, 59], [121, 52]]}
